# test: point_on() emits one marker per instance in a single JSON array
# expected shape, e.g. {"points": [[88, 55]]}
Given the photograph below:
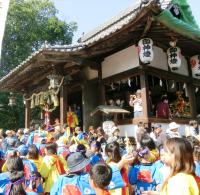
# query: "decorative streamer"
{"points": [[173, 85], [129, 82], [112, 86], [161, 83], [184, 86]]}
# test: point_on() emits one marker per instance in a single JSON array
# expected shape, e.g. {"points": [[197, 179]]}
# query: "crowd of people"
{"points": [[61, 161]]}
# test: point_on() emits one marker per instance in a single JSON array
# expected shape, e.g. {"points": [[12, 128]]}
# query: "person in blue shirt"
{"points": [[14, 181], [142, 175], [76, 181], [196, 155], [96, 156]]}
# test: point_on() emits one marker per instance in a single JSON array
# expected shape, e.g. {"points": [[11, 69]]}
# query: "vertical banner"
{"points": [[4, 4]]}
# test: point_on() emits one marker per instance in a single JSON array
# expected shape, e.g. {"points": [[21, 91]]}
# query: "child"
{"points": [[193, 128], [163, 170], [96, 153], [100, 177], [13, 179], [147, 141], [33, 155], [77, 180], [115, 135], [92, 134], [197, 160], [178, 155], [112, 150], [52, 166], [142, 175]]}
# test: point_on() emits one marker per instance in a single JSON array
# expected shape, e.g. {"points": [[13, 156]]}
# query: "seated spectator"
{"points": [[100, 177]]}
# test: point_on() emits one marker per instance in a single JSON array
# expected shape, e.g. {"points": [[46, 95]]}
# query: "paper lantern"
{"points": [[12, 99], [195, 65], [174, 58], [145, 47]]}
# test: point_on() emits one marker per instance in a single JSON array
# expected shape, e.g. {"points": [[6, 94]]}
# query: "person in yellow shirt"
{"points": [[52, 166], [72, 119], [33, 155], [178, 155]]}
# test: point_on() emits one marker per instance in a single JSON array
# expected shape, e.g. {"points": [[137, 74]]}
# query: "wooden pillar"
{"points": [[27, 113], [144, 93], [191, 93], [63, 104], [192, 99], [102, 99]]}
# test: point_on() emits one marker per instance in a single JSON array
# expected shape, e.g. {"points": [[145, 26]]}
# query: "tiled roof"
{"points": [[112, 26], [45, 47], [115, 23]]}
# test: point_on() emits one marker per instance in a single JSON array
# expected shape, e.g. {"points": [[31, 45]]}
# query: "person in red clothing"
{"points": [[162, 109], [100, 177]]}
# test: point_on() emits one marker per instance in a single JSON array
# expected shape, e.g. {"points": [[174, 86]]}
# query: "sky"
{"points": [[91, 13]]}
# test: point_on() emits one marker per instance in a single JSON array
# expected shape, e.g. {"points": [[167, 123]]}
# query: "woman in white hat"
{"points": [[172, 131]]}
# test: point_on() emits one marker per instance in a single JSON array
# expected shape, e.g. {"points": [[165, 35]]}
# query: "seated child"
{"points": [[100, 177]]}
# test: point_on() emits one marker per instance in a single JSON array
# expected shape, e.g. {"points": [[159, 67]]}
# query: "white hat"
{"points": [[114, 128], [173, 125], [138, 91]]}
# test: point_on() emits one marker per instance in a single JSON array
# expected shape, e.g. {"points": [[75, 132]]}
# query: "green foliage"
{"points": [[11, 117], [29, 24]]}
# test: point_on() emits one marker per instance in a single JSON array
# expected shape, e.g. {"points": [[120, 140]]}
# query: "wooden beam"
{"points": [[147, 26]]}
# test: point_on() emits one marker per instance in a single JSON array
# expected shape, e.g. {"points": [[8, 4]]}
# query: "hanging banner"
{"points": [[174, 58], [4, 4], [195, 65], [145, 49]]}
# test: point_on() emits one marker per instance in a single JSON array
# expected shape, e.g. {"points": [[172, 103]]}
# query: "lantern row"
{"points": [[146, 55]]}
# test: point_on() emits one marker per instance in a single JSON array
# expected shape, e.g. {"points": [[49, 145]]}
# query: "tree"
{"points": [[29, 24]]}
